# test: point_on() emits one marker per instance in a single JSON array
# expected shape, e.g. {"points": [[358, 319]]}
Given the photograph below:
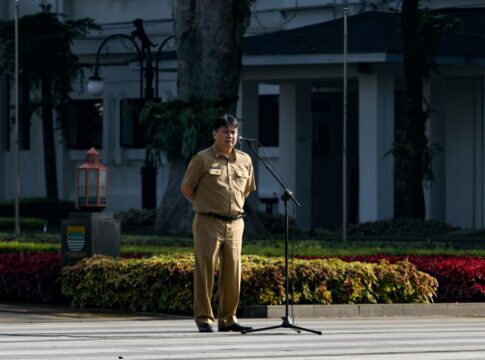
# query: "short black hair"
{"points": [[225, 121]]}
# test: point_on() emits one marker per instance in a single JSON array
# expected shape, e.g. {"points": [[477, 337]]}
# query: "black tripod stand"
{"points": [[287, 195]]}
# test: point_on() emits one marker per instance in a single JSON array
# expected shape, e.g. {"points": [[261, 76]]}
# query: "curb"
{"points": [[366, 310]]}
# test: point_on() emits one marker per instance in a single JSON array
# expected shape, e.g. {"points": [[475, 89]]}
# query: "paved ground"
{"points": [[65, 334]]}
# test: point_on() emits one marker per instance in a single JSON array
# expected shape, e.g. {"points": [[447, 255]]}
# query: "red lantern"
{"points": [[92, 183]]}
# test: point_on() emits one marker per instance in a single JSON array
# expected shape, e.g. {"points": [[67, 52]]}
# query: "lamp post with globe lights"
{"points": [[148, 67]]}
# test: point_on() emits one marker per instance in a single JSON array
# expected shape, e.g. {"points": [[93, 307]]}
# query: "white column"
{"points": [[481, 115], [436, 191], [287, 135], [248, 114], [376, 134], [3, 134], [248, 109]]}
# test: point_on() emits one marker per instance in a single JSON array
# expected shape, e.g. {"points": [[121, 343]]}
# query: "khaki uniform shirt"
{"points": [[219, 183]]}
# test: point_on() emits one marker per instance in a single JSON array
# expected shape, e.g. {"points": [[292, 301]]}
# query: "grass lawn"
{"points": [[153, 245]]}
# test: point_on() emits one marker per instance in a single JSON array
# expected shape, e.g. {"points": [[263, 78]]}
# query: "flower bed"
{"points": [[34, 277], [164, 283]]}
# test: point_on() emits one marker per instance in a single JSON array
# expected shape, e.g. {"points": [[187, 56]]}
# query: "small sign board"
{"points": [[76, 237]]}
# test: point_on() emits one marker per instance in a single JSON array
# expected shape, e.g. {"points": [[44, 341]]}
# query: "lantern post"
{"points": [[92, 183], [90, 231]]}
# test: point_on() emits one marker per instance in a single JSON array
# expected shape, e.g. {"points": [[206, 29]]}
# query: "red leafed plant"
{"points": [[460, 278], [30, 277]]}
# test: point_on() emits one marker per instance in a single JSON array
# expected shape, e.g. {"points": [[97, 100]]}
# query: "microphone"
{"points": [[247, 141]]}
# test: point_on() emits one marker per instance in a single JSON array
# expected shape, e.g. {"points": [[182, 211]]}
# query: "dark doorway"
{"points": [[327, 118]]}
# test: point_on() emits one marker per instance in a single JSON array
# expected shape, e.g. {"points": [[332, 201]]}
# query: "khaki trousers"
{"points": [[216, 240]]}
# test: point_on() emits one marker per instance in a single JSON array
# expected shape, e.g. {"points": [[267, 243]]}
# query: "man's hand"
{"points": [[188, 193]]}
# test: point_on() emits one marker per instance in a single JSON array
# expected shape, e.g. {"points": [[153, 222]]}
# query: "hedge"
{"points": [[8, 224], [164, 283], [53, 211], [461, 278]]}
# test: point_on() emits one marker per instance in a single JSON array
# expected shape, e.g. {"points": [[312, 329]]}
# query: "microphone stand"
{"points": [[287, 195]]}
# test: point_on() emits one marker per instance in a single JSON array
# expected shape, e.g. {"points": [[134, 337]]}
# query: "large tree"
{"points": [[209, 46], [47, 67], [421, 32]]}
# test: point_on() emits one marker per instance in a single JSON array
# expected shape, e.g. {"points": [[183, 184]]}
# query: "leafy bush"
{"points": [[275, 223], [165, 283], [137, 218], [12, 247], [400, 227], [40, 208], [156, 284], [25, 224], [460, 278], [30, 277], [333, 281]]}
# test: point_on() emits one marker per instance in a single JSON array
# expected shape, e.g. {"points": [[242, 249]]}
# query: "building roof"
{"points": [[369, 32]]}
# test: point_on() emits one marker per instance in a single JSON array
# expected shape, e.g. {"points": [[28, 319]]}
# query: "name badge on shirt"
{"points": [[215, 170]]}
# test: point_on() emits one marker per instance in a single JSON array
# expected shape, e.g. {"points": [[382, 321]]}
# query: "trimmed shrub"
{"points": [[134, 219], [30, 277], [333, 281], [275, 223], [400, 227], [165, 283], [8, 224], [40, 208], [460, 278], [156, 284], [11, 247]]}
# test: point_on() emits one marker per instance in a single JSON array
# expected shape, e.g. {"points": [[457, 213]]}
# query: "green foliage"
{"points": [[433, 27], [165, 283], [275, 223], [332, 281], [8, 223], [137, 219], [406, 152], [400, 227], [53, 211], [177, 128], [422, 31], [162, 284], [44, 54], [12, 247], [244, 14]]}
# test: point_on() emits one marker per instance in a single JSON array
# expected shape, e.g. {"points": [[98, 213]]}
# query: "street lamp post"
{"points": [[17, 91], [148, 70]]}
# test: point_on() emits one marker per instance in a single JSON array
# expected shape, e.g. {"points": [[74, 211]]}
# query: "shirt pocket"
{"points": [[241, 177]]}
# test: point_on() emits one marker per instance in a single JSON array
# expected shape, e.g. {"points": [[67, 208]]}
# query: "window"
{"points": [[85, 129], [269, 120], [132, 132], [5, 115]]}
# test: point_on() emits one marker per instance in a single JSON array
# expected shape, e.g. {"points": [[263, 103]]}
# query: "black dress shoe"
{"points": [[205, 328], [235, 327]]}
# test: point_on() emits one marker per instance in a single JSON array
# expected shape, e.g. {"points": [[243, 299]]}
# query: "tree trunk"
{"points": [[209, 49], [48, 136], [410, 201], [208, 34]]}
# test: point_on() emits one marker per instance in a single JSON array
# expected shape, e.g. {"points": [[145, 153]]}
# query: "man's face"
{"points": [[225, 138]]}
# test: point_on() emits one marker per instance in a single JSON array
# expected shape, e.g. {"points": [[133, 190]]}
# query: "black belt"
{"points": [[223, 217]]}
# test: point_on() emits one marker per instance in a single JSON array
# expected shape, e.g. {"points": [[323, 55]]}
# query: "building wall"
{"points": [[464, 152], [460, 200]]}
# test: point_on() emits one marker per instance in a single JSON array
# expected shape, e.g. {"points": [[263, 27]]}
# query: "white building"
{"points": [[290, 99]]}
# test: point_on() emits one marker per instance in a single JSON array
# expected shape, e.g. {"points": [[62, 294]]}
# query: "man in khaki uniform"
{"points": [[217, 181]]}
